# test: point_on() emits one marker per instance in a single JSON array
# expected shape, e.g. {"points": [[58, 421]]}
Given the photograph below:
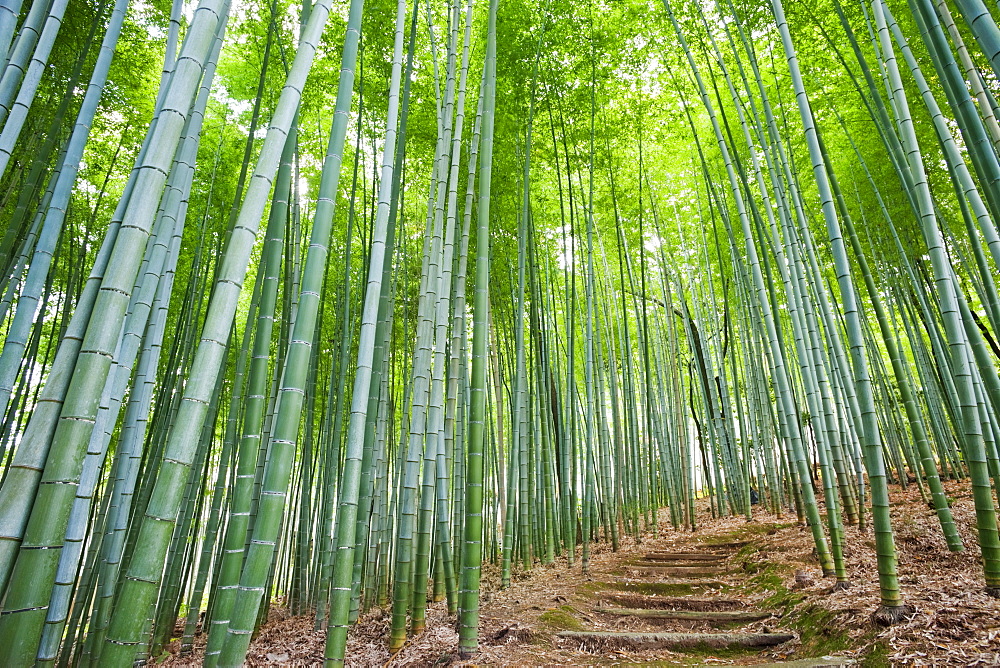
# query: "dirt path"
{"points": [[757, 578], [675, 599]]}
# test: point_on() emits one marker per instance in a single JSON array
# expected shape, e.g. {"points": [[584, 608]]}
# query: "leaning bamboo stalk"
{"points": [[42, 18], [49, 513], [15, 118], [56, 213], [140, 585], [958, 343], [346, 539]]}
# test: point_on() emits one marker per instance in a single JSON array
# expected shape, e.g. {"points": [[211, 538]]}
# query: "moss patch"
{"points": [[819, 636], [877, 657], [769, 578], [747, 532], [561, 619], [593, 587]]}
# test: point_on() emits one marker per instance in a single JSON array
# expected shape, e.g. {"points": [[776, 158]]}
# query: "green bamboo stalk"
{"points": [[472, 551]]}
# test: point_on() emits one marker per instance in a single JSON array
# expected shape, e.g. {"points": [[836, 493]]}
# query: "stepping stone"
{"points": [[685, 556], [676, 570], [693, 565], [735, 545], [608, 639], [717, 616], [680, 563], [818, 662], [667, 587], [674, 602]]}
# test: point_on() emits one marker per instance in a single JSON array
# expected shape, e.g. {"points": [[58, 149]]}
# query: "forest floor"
{"points": [[766, 566]]}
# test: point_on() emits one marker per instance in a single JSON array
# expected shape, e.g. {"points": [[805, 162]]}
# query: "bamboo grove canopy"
{"points": [[335, 301]]}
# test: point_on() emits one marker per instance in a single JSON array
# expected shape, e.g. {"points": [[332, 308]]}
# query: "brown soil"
{"points": [[770, 566]]}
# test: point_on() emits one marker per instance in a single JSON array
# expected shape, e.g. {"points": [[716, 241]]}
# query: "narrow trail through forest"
{"points": [[654, 621], [731, 593], [673, 599]]}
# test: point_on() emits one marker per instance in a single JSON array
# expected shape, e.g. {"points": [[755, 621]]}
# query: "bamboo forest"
{"points": [[377, 320]]}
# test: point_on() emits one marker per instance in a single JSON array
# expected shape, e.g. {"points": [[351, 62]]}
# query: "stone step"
{"points": [[817, 662], [648, 602], [680, 571], [685, 556], [717, 616], [598, 640]]}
